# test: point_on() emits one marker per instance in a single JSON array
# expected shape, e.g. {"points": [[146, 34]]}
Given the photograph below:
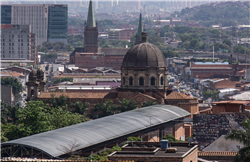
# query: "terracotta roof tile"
{"points": [[72, 95], [12, 74], [177, 95]]}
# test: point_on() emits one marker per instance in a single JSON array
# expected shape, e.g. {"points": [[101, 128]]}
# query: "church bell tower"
{"points": [[91, 32]]}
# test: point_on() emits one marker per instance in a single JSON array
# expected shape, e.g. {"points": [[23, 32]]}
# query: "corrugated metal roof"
{"points": [[103, 129]]}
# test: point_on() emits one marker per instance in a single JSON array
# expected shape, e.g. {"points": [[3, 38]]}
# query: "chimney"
{"points": [[144, 37]]}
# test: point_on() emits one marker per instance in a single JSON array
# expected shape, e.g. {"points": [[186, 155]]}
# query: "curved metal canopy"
{"points": [[100, 130]]}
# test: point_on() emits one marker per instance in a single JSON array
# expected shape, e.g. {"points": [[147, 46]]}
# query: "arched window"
{"points": [[123, 80], [161, 80], [32, 93], [141, 81], [153, 81], [130, 81]]}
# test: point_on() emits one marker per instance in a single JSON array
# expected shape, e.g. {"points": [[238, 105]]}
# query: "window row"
{"points": [[141, 81]]}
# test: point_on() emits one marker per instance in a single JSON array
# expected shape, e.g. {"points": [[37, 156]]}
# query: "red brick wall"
{"points": [[179, 130], [89, 60], [217, 109], [224, 84], [126, 34], [114, 61], [193, 156]]}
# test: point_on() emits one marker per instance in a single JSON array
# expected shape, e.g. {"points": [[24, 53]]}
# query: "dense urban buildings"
{"points": [[49, 22]]}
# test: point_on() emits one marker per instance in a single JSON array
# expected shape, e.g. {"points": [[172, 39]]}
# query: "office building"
{"points": [[48, 21], [5, 14], [17, 42], [58, 23]]}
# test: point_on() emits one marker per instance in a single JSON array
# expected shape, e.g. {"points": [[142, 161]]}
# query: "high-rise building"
{"points": [[17, 42], [58, 23], [5, 14], [43, 18]]}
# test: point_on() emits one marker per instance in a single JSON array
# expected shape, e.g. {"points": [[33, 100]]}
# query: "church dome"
{"points": [[144, 55]]}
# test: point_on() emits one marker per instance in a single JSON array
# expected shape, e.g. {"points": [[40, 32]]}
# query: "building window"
{"points": [[153, 81], [141, 81], [130, 81], [12, 36], [3, 44], [21, 44], [12, 52], [9, 44], [27, 36], [9, 40], [27, 40], [9, 48], [18, 36], [18, 40], [3, 40], [13, 44], [21, 36], [161, 80]]}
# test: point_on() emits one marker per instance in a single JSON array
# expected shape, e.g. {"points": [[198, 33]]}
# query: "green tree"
{"points": [[48, 45], [242, 49], [105, 109], [61, 101], [148, 103], [80, 108], [127, 105], [60, 117], [34, 118], [14, 83], [156, 40], [171, 138], [133, 139], [242, 136], [10, 111], [227, 42]]}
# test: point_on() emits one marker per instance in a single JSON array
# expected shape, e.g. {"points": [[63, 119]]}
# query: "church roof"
{"points": [[144, 55], [91, 16], [140, 28]]}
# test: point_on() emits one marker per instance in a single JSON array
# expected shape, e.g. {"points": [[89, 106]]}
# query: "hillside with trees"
{"points": [[226, 13]]}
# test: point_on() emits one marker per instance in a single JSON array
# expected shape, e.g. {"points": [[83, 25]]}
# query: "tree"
{"points": [[148, 103], [170, 137], [48, 45], [4, 113], [127, 105], [10, 111], [242, 136], [227, 42], [61, 101], [70, 149], [105, 109], [155, 39], [34, 118], [133, 139], [60, 117], [80, 108], [14, 83]]}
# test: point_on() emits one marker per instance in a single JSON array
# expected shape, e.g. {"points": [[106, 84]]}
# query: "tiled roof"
{"points": [[12, 74], [217, 153], [232, 102], [176, 96], [73, 95]]}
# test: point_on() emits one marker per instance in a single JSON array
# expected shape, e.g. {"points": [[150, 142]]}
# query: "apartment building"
{"points": [[17, 41], [48, 21]]}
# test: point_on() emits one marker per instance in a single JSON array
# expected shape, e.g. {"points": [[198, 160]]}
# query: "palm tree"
{"points": [[12, 112], [58, 101], [148, 103], [127, 105], [80, 108], [105, 109], [4, 113], [242, 136]]}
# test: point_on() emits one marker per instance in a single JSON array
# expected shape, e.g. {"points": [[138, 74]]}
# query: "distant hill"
{"points": [[226, 13]]}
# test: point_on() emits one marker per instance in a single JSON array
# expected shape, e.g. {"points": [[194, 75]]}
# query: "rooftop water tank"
{"points": [[164, 144]]}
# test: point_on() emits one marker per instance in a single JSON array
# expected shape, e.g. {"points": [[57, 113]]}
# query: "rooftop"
{"points": [[71, 95], [232, 102], [177, 95], [153, 149]]}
